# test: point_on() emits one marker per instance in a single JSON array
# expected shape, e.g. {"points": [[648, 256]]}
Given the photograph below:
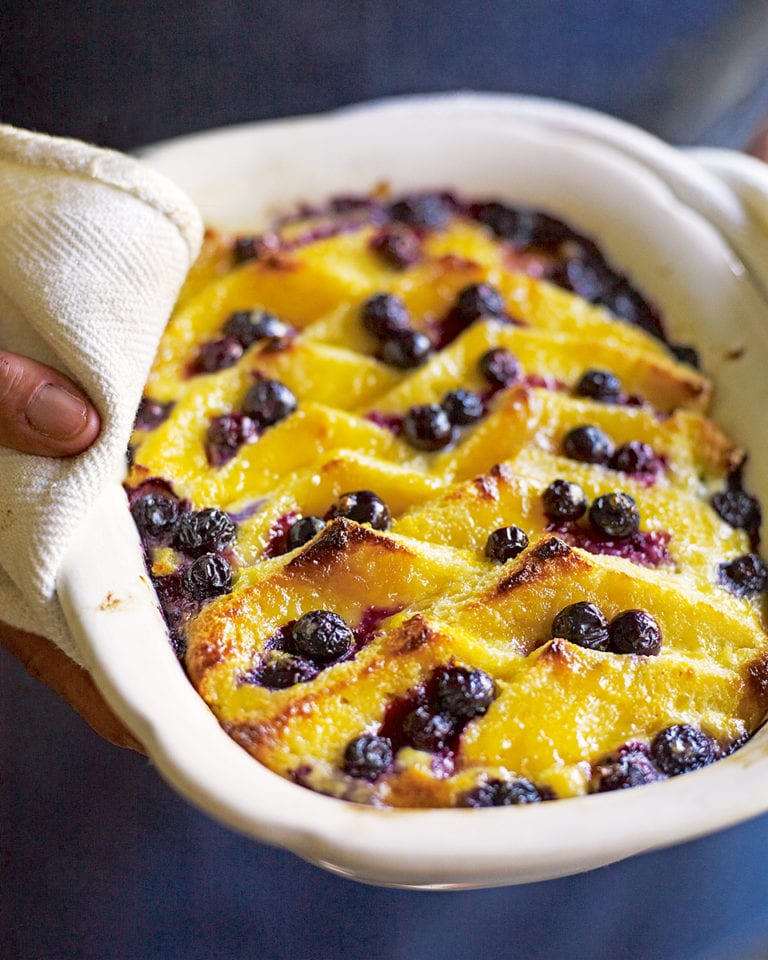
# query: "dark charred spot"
{"points": [[336, 538]]}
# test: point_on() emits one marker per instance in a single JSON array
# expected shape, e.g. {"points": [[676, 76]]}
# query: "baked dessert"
{"points": [[436, 515]]}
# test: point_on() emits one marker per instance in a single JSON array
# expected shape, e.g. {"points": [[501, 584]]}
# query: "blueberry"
{"points": [[625, 769], [398, 247], [425, 211], [303, 530], [463, 694], [588, 444], [745, 575], [268, 402], [503, 793], [367, 757], [245, 248], [687, 355], [615, 515], [500, 367], [362, 506], [682, 748], [523, 227], [283, 671], [208, 576], [428, 427], [321, 636], [151, 413], [406, 350], [737, 508], [478, 300], [506, 222], [250, 326], [204, 531], [384, 315], [564, 500], [634, 457], [218, 355], [427, 730], [463, 407], [155, 515], [589, 276], [582, 623], [226, 434], [627, 303], [505, 544], [635, 631], [545, 231], [599, 385]]}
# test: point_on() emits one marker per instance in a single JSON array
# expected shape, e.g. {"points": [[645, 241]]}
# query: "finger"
{"points": [[42, 411], [47, 663]]}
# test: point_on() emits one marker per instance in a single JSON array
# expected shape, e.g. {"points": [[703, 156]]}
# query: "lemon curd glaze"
{"points": [[451, 682]]}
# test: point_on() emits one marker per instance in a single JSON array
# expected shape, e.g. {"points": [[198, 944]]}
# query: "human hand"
{"points": [[43, 412]]}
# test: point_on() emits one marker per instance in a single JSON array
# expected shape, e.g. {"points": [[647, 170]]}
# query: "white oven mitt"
{"points": [[93, 250]]}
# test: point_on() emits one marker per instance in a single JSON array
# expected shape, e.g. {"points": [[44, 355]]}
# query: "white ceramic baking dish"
{"points": [[689, 231]]}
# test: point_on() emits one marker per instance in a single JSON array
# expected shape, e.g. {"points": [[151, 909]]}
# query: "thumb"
{"points": [[42, 411]]}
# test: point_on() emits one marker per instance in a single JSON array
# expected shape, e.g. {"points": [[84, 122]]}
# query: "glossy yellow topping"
{"points": [[421, 596]]}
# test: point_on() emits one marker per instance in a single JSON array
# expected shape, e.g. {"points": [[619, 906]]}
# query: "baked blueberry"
{"points": [[367, 757], [599, 385], [745, 575], [682, 748], [283, 671], [686, 354], [635, 631], [505, 544], [268, 402], [503, 793], [525, 228], [428, 427], [204, 531], [582, 623], [362, 506], [303, 530], [406, 350], [427, 730], [737, 508], [625, 769], [478, 300], [151, 413], [500, 367], [321, 636], [635, 457], [384, 315], [245, 248], [463, 694], [615, 514], [587, 275], [155, 516], [399, 247], [463, 407], [508, 223], [425, 211], [207, 577], [588, 444], [218, 355], [626, 302], [564, 500], [226, 434], [250, 326]]}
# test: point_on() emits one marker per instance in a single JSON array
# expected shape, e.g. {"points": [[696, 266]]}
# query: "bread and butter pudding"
{"points": [[436, 516]]}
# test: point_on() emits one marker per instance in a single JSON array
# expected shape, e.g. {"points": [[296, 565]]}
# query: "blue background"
{"points": [[98, 858]]}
